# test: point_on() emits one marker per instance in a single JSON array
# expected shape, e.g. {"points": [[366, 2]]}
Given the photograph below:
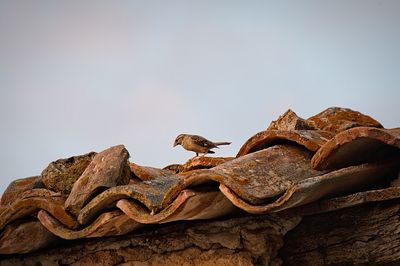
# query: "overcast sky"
{"points": [[80, 76]]}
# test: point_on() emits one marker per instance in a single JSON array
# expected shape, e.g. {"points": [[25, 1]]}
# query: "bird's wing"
{"points": [[199, 140]]}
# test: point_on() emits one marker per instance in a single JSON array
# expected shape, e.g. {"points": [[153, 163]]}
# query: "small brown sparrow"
{"points": [[196, 143]]}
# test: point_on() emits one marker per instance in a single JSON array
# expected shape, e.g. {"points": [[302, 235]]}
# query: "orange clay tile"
{"points": [[107, 224], [107, 169], [337, 119], [357, 145], [310, 139]]}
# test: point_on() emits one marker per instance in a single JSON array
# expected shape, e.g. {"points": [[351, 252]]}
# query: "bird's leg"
{"points": [[197, 154]]}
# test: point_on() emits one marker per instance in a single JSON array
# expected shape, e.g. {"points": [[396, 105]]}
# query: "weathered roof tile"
{"points": [[107, 224], [357, 145], [310, 139], [340, 156], [337, 119], [107, 169], [17, 187]]}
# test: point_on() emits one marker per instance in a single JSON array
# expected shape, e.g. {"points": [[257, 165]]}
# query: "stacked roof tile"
{"points": [[335, 159]]}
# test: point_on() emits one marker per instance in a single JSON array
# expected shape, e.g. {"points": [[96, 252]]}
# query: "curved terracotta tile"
{"points": [[25, 207], [198, 162], [341, 182], [265, 174], [107, 224], [256, 208], [153, 195], [107, 169], [36, 192], [25, 236], [337, 119], [245, 175], [148, 173], [175, 168], [255, 178], [314, 188], [142, 215], [204, 162], [150, 195], [355, 146], [19, 186], [189, 205], [310, 139], [347, 201]]}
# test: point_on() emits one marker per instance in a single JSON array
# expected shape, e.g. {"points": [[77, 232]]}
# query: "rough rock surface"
{"points": [[237, 241], [337, 119], [290, 121], [14, 239], [61, 175], [364, 235]]}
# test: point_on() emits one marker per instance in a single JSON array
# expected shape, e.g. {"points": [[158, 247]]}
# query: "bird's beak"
{"points": [[175, 144]]}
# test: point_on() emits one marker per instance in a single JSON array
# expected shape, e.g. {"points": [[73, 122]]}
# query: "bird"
{"points": [[197, 144]]}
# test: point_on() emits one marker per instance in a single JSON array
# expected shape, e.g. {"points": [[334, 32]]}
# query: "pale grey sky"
{"points": [[77, 76]]}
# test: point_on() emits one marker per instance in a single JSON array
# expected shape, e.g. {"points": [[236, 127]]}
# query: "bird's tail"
{"points": [[221, 143]]}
